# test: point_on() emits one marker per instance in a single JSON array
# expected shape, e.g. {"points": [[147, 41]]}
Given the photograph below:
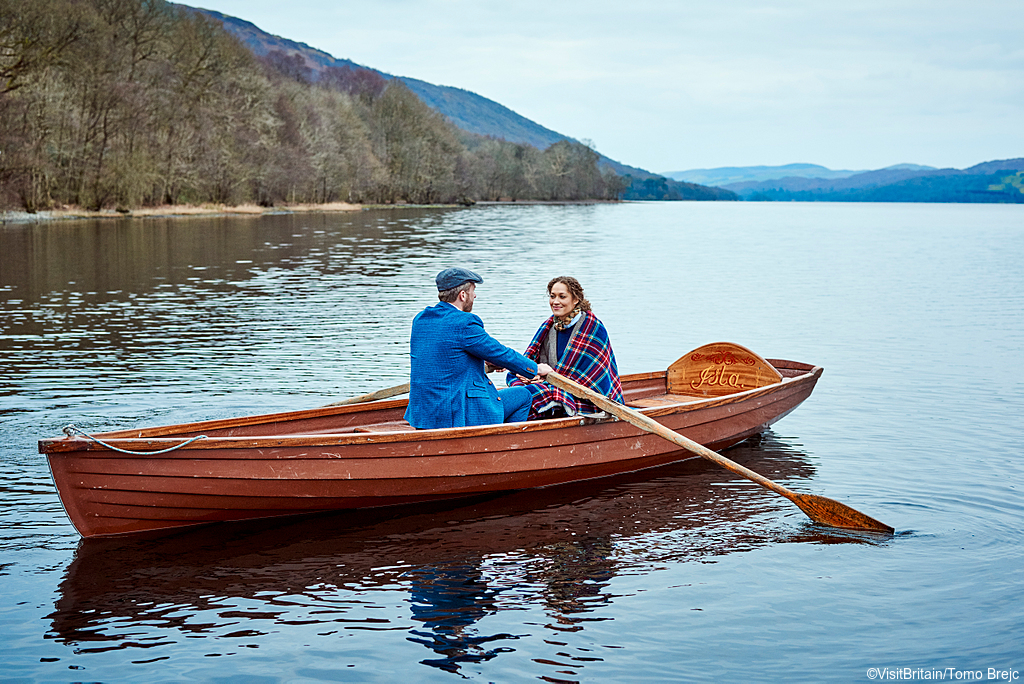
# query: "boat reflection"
{"points": [[449, 600], [555, 549]]}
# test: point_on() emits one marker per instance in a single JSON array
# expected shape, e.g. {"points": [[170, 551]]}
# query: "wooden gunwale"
{"points": [[149, 443], [191, 429]]}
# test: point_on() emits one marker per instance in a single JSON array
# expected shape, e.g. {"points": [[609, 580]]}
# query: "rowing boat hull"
{"points": [[360, 456]]}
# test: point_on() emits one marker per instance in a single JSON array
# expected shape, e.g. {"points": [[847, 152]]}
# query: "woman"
{"points": [[575, 343]]}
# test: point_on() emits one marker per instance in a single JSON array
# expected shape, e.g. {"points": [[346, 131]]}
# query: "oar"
{"points": [[818, 508], [373, 396]]}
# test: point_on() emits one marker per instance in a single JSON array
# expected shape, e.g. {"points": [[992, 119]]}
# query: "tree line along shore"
{"points": [[122, 105]]}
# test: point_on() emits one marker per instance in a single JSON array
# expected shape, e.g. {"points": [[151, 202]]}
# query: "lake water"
{"points": [[916, 312]]}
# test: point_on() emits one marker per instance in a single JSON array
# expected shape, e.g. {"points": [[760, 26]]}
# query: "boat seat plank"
{"points": [[664, 400], [649, 402], [394, 426]]}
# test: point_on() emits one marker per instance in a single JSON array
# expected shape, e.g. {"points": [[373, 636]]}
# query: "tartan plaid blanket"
{"points": [[588, 359]]}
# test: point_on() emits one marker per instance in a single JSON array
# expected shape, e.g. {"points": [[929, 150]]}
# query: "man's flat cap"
{"points": [[453, 277]]}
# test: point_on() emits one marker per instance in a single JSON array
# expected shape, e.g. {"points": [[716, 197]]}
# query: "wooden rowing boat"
{"points": [[365, 455]]}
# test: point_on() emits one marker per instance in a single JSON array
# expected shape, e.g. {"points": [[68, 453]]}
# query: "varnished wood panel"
{"points": [[720, 368]]}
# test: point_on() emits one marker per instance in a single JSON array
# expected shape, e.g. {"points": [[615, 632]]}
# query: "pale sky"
{"points": [[668, 86]]}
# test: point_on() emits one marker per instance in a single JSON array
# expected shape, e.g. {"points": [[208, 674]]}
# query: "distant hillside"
{"points": [[467, 110], [994, 181], [481, 116], [661, 188], [262, 43], [862, 179], [725, 175], [477, 114]]}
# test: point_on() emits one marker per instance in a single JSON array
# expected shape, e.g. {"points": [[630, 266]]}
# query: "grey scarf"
{"points": [[549, 350]]}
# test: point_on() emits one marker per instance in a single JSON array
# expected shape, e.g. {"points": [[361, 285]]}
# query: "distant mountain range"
{"points": [[994, 181], [739, 174]]}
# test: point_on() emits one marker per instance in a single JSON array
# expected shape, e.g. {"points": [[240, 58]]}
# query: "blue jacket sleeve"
{"points": [[477, 342]]}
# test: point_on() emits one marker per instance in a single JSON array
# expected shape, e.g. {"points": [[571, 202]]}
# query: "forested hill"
{"points": [[467, 110], [110, 104]]}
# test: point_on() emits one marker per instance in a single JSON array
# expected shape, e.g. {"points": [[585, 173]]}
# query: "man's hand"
{"points": [[542, 370]]}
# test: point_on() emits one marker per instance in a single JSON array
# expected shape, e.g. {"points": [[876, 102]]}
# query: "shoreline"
{"points": [[210, 210], [172, 211]]}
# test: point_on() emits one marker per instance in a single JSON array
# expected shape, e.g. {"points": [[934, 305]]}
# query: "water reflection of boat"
{"points": [[364, 455], [555, 549]]}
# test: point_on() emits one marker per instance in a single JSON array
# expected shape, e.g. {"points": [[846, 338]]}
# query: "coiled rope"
{"points": [[70, 430]]}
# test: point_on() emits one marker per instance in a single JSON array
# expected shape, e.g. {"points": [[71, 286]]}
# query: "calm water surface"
{"points": [[682, 573]]}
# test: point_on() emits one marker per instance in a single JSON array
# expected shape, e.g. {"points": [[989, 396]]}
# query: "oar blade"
{"points": [[830, 512]]}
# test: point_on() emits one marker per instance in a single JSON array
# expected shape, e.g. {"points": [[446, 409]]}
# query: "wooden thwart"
{"points": [[393, 426], [818, 508]]}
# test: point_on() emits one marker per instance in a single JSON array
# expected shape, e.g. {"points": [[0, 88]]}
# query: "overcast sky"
{"points": [[668, 86]]}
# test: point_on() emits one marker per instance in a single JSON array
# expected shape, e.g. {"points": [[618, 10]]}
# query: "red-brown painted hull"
{"points": [[319, 460]]}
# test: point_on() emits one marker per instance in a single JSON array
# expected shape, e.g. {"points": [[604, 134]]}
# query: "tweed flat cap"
{"points": [[453, 277]]}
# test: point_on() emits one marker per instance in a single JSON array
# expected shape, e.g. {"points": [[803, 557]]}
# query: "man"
{"points": [[448, 348]]}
